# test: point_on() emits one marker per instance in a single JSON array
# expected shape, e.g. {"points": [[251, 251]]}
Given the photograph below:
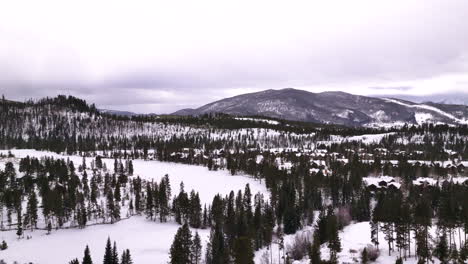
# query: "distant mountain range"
{"points": [[334, 108], [117, 112]]}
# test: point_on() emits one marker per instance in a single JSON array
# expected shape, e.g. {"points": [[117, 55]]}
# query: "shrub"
{"points": [[4, 245], [372, 253], [299, 247], [344, 217]]}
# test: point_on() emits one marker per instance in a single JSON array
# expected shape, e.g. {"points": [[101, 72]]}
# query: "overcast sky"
{"points": [[161, 56]]}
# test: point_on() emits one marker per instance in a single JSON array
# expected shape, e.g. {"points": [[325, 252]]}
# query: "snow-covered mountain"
{"points": [[335, 108]]}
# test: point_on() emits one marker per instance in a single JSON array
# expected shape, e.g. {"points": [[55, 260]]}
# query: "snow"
{"points": [[423, 118], [149, 242], [380, 116], [368, 138], [345, 113], [271, 122], [376, 180], [357, 236], [434, 182]]}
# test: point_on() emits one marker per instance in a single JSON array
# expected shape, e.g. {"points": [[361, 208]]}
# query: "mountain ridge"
{"points": [[334, 107]]}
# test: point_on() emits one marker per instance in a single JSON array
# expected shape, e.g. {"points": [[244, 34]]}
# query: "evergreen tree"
{"points": [[19, 229], [126, 257], [422, 248], [196, 249], [441, 251], [87, 256], [130, 167], [74, 261], [115, 254], [314, 250], [219, 253], [374, 233], [243, 251], [291, 220], [30, 218], [180, 252], [108, 257], [364, 256], [195, 210], [334, 242], [49, 227], [463, 256], [321, 227]]}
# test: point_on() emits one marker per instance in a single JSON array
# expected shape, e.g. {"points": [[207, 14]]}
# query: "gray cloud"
{"points": [[161, 58]]}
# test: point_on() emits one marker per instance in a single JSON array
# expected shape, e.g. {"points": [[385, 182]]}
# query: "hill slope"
{"points": [[333, 107]]}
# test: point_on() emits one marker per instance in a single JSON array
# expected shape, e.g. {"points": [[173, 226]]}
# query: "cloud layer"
{"points": [[160, 56]]}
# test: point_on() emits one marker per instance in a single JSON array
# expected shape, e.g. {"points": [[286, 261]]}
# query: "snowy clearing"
{"points": [[369, 139], [207, 183], [149, 242]]}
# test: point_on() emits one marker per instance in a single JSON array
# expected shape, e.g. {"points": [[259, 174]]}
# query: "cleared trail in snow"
{"points": [[430, 108]]}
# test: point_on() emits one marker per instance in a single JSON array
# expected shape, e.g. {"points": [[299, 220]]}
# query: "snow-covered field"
{"points": [[357, 236], [354, 238], [148, 241], [369, 139]]}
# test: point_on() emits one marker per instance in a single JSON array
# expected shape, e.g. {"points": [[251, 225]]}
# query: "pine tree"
{"points": [[149, 202], [126, 257], [196, 249], [19, 229], [108, 257], [291, 220], [180, 252], [364, 256], [422, 249], [130, 167], [374, 233], [321, 227], [115, 254], [123, 258], [74, 261], [218, 249], [243, 251], [441, 250], [195, 210], [30, 218], [314, 250], [464, 252], [87, 256], [129, 257], [334, 242], [49, 227]]}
